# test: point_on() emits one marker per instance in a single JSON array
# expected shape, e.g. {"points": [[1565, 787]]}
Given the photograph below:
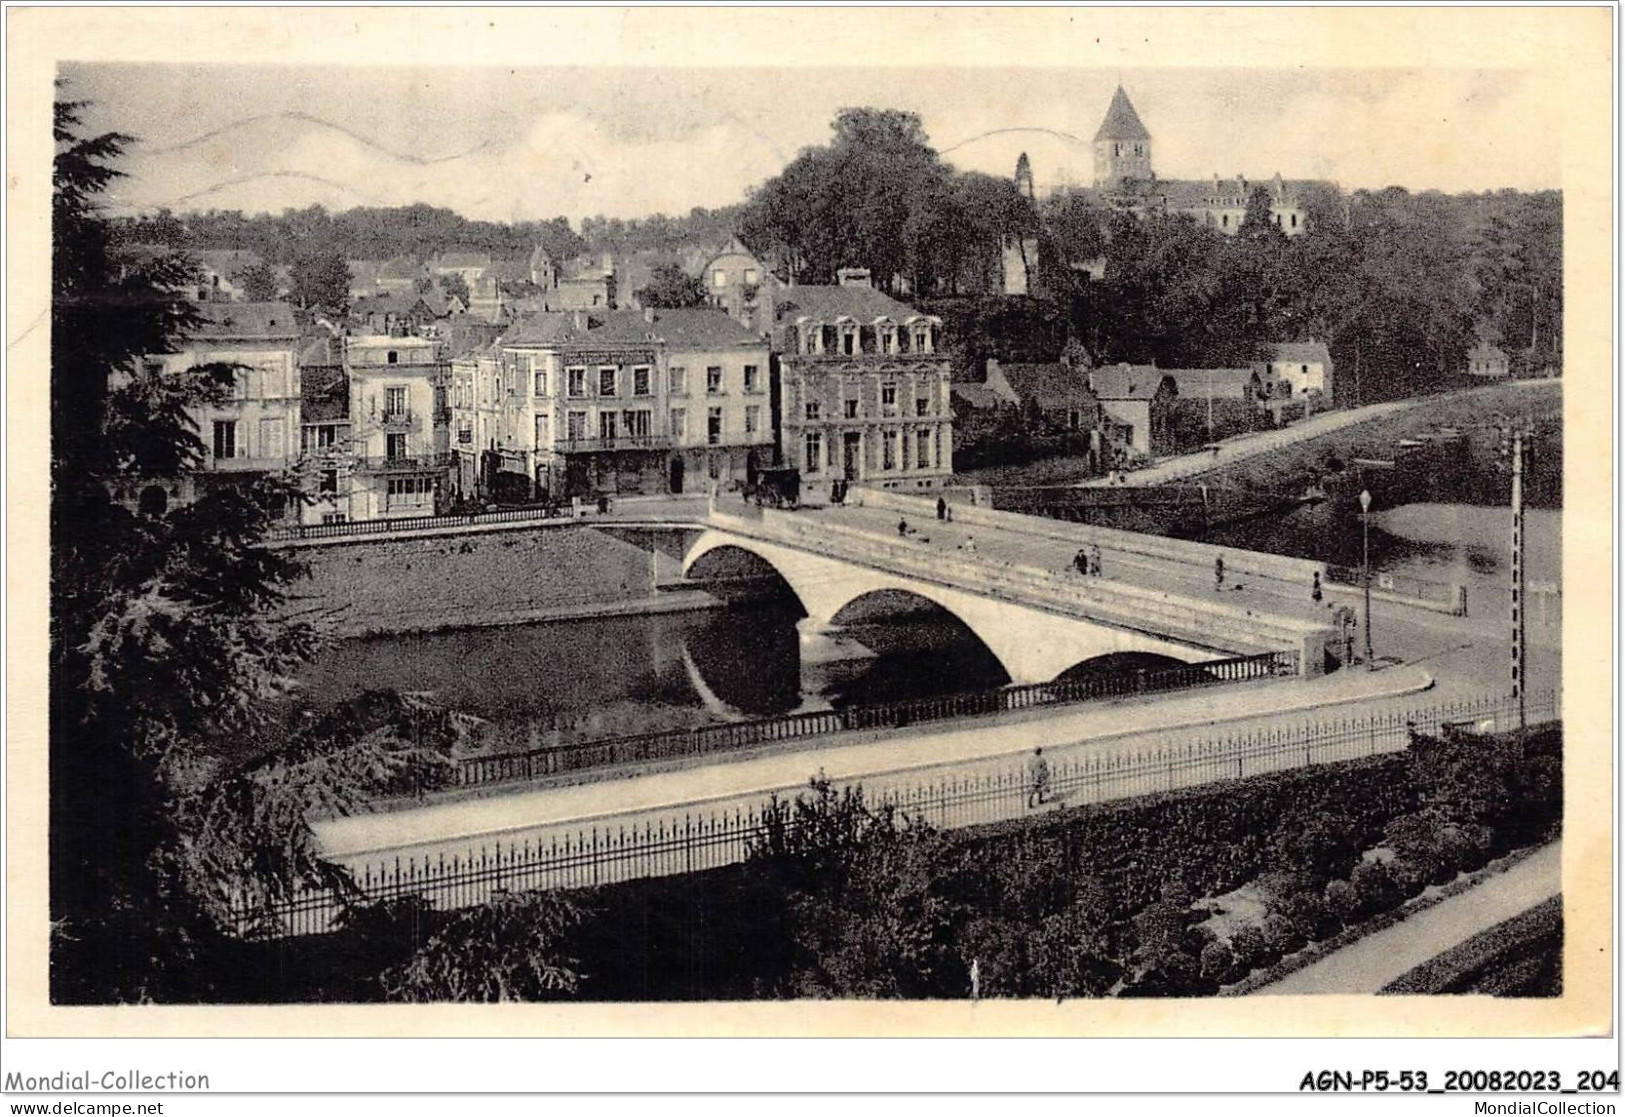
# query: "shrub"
{"points": [[1373, 888], [1342, 902], [1248, 950], [1218, 963], [1308, 915], [1281, 936]]}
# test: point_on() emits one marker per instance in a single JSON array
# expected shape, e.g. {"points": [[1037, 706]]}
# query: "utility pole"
{"points": [[1365, 565], [1518, 666]]}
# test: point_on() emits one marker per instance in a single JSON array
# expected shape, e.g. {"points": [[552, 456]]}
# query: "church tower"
{"points": [[1122, 146]]}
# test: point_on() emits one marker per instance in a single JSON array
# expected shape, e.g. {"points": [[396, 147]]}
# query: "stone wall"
{"points": [[505, 577]]}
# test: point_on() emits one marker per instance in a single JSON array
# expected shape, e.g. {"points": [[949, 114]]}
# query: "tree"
{"points": [[165, 642], [671, 288], [515, 947], [321, 281], [453, 284], [259, 282]]}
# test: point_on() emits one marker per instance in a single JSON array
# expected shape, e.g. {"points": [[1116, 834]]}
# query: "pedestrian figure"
{"points": [[1218, 574], [1080, 562], [1094, 559], [970, 543], [1315, 593], [950, 513], [975, 980], [902, 529], [1039, 772], [942, 509]]}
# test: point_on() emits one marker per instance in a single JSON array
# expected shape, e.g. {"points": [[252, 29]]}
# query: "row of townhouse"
{"points": [[847, 385]]}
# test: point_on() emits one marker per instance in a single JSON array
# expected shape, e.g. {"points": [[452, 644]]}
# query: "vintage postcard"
{"points": [[810, 522]]}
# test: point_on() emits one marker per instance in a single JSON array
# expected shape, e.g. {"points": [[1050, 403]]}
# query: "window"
{"points": [[814, 411], [152, 368], [392, 358], [677, 380], [888, 400], [540, 377], [1294, 221], [815, 452], [542, 433], [606, 381], [922, 339], [273, 436], [719, 278], [638, 423], [888, 339], [849, 340], [225, 439], [640, 381], [922, 449], [1225, 221], [713, 380], [606, 426], [750, 277], [334, 517], [394, 446], [922, 405], [752, 381], [577, 382], [319, 438], [576, 425], [410, 492], [888, 450], [465, 435], [329, 484], [850, 408], [394, 403], [713, 426], [679, 423], [753, 419]]}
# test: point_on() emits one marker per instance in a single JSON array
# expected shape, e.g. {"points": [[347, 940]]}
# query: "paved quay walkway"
{"points": [[961, 750], [1371, 963]]}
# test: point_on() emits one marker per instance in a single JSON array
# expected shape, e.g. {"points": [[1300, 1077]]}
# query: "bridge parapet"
{"points": [[1201, 624]]}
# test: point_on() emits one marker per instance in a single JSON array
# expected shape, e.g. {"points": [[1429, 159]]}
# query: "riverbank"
{"points": [[448, 582]]}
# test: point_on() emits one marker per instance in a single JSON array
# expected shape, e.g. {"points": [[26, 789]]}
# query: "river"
{"points": [[538, 685], [551, 683]]}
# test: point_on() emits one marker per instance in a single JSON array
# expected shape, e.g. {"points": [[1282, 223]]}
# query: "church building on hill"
{"points": [[1124, 179]]}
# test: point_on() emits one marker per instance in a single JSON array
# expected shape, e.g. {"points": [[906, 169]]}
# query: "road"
{"points": [[1244, 446], [1369, 964]]}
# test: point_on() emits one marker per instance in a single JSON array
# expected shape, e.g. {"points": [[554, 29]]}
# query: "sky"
{"points": [[505, 143]]}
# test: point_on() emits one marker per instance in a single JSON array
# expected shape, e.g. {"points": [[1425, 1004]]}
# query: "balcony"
{"points": [[396, 420], [621, 442], [414, 463], [245, 464]]}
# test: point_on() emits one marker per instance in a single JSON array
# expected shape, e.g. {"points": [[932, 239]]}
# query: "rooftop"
{"points": [[677, 329], [1124, 381], [1300, 352], [825, 303], [1122, 122], [270, 321]]}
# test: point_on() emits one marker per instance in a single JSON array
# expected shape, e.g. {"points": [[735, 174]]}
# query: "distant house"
{"points": [[1058, 393], [737, 282], [1489, 362], [364, 278], [1300, 371], [399, 276], [472, 266], [1217, 402], [1136, 404], [220, 273], [395, 315]]}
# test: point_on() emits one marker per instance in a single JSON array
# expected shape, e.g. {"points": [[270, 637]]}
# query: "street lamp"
{"points": [[1365, 567]]}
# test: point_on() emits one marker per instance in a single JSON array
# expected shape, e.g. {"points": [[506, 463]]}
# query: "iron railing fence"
{"points": [[699, 840], [703, 740], [416, 523]]}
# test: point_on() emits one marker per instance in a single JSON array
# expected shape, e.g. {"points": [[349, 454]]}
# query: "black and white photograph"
{"points": [[817, 534]]}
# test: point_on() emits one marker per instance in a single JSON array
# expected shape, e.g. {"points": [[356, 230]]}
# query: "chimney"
{"points": [[581, 321], [854, 277], [648, 314]]}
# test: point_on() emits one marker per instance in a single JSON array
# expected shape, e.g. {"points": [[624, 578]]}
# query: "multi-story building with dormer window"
{"points": [[863, 387]]}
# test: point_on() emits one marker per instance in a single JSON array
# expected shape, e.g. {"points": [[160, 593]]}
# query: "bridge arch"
{"points": [[1032, 645]]}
